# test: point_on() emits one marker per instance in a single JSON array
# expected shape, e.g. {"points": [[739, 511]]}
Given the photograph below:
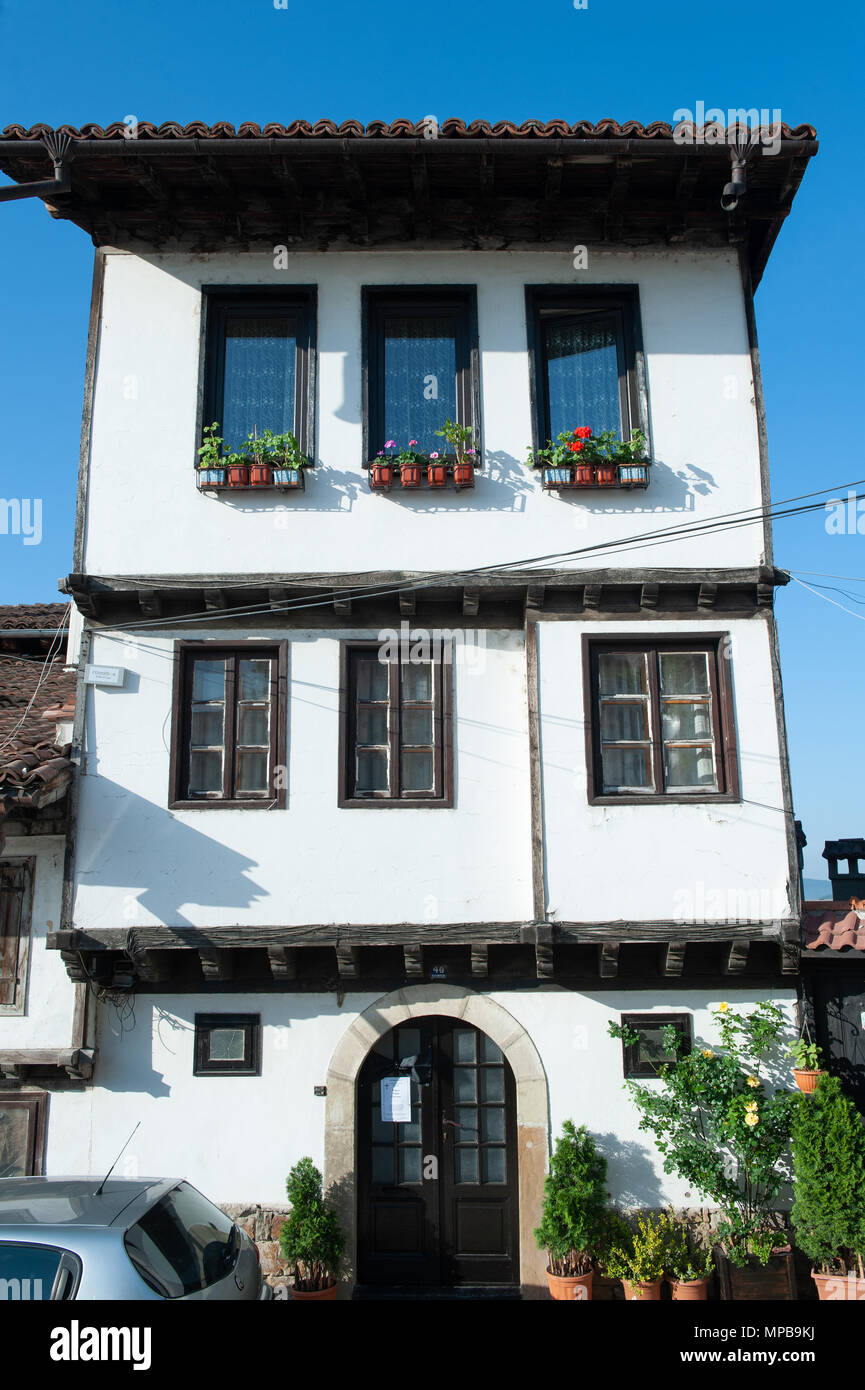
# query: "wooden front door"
{"points": [[839, 1004], [438, 1195]]}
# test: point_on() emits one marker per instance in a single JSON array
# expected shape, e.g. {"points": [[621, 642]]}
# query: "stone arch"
{"points": [[340, 1135]]}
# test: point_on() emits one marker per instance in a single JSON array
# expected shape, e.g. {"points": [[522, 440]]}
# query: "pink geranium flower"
{"points": [[433, 456], [412, 441], [390, 443]]}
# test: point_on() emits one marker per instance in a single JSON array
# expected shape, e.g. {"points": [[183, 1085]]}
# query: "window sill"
{"points": [[370, 803], [274, 803], [667, 799]]}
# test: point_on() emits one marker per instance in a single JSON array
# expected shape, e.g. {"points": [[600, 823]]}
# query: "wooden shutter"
{"points": [[15, 879]]}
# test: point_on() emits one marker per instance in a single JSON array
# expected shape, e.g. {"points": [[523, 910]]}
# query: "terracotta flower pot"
{"points": [[261, 475], [437, 474], [238, 476], [689, 1290], [583, 475], [409, 475], [464, 475], [837, 1288], [646, 1292], [607, 475], [571, 1288], [320, 1295], [806, 1079], [381, 476]]}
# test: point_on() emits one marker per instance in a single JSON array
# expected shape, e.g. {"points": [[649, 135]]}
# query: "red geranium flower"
{"points": [[583, 432], [576, 448]]}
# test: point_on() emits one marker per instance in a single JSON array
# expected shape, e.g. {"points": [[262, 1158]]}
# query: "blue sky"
{"points": [[249, 60]]}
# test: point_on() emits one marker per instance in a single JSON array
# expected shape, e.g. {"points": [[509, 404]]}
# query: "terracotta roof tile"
{"points": [[30, 761], [31, 615], [833, 927]]}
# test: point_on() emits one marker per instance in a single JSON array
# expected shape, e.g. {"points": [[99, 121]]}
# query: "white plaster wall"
{"points": [[705, 862], [236, 1138], [50, 994], [137, 863], [146, 517]]}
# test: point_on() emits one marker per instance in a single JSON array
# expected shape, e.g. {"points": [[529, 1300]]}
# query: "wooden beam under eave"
{"points": [[216, 964], [150, 968], [790, 957], [480, 958], [674, 958], [277, 597], [282, 961], [592, 596], [544, 960], [736, 957], [608, 960], [150, 603], [342, 606], [407, 603], [649, 596], [214, 600], [471, 603], [707, 596], [348, 962], [413, 958]]}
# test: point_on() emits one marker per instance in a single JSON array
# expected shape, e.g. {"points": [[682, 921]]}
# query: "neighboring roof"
{"points": [[481, 185], [832, 927], [26, 616], [34, 694]]}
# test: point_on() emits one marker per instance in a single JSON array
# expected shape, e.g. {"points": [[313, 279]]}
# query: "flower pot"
{"points": [[633, 475], [805, 1079], [381, 476], [647, 1292], [756, 1282], [437, 474], [409, 475], [261, 475], [238, 476], [606, 475], [289, 478], [211, 477], [464, 475], [584, 475], [319, 1295], [558, 477], [833, 1288], [571, 1288], [689, 1290]]}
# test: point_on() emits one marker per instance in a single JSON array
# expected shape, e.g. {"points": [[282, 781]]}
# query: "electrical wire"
{"points": [[46, 668], [827, 599]]}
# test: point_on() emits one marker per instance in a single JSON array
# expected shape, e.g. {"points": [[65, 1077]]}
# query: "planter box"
{"points": [[464, 475], [633, 475], [437, 474], [289, 479], [381, 477], [584, 475], [756, 1282], [558, 477], [260, 475], [607, 475], [238, 477], [211, 478], [410, 475]]}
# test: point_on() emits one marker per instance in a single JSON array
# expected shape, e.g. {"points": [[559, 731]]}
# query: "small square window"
{"points": [[652, 1050], [227, 1045]]}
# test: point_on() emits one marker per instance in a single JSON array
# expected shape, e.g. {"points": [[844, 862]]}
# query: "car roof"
{"points": [[75, 1201]]}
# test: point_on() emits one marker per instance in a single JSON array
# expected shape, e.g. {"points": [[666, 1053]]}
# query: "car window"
{"points": [[34, 1273], [182, 1244]]}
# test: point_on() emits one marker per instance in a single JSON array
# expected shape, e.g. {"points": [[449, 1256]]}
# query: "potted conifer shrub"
{"points": [[311, 1238], [828, 1140], [574, 1216]]}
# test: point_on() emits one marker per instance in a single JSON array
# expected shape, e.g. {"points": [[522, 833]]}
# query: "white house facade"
{"points": [[425, 775]]}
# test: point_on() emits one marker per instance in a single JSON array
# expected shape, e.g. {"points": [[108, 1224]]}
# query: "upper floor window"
{"points": [[16, 885], [586, 360], [420, 365], [259, 372], [228, 745], [661, 723], [395, 728]]}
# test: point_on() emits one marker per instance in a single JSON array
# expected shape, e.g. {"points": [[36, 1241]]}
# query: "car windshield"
{"points": [[182, 1244]]}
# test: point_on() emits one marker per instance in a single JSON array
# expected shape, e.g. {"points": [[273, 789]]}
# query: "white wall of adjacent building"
{"points": [[145, 516]]}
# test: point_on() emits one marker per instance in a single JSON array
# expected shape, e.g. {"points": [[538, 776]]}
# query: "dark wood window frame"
{"points": [[443, 681], [633, 1065], [724, 723], [547, 303], [36, 1104], [16, 922], [184, 653], [378, 302], [250, 1024], [220, 302]]}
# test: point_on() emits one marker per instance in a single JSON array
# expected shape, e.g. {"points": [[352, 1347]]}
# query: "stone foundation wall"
{"points": [[263, 1225]]}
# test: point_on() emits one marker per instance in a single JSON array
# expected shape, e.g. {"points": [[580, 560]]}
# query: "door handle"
{"points": [[445, 1122]]}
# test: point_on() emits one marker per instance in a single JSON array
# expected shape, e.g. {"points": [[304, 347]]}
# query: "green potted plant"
{"points": [[211, 467], [311, 1238], [724, 1132], [410, 462], [573, 1219], [828, 1142], [806, 1064], [461, 440], [640, 1258], [382, 469], [579, 458], [689, 1266]]}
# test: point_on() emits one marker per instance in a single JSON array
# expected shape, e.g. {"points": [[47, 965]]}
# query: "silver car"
{"points": [[124, 1238]]}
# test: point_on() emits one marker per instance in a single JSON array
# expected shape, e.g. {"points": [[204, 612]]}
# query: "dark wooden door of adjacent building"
{"points": [[839, 1013], [437, 1196]]}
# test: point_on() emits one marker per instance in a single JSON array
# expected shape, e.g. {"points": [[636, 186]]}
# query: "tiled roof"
{"points": [[32, 615], [450, 128], [31, 763], [833, 927]]}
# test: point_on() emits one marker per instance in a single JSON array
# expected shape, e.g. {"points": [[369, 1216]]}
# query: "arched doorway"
{"points": [[341, 1143], [437, 1191]]}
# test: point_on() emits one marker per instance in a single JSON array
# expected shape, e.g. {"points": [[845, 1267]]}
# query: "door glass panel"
{"points": [[466, 1165], [492, 1084], [408, 1044], [466, 1117], [493, 1124], [489, 1051], [465, 1045], [382, 1130], [410, 1133], [409, 1165], [382, 1165], [493, 1165], [465, 1083]]}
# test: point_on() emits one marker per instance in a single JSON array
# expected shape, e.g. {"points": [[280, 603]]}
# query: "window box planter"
{"points": [[633, 475], [464, 475], [289, 479], [260, 475], [211, 478], [437, 474], [381, 477], [558, 477], [238, 476], [410, 475]]}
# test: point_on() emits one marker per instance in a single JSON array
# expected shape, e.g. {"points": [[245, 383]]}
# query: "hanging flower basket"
{"points": [[410, 475], [381, 476]]}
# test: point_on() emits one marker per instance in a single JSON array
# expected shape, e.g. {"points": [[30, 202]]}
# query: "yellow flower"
{"points": [[722, 1008], [751, 1105], [707, 1052], [752, 1118], [753, 1081]]}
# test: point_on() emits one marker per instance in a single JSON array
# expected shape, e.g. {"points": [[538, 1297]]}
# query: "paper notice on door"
{"points": [[396, 1099]]}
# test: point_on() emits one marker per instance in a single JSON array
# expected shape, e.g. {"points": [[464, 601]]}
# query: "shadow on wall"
{"points": [[631, 1177]]}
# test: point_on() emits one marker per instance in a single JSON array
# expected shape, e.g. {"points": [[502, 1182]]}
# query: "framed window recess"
{"points": [[259, 376], [644, 1057], [227, 1045], [587, 370], [396, 729], [22, 1133], [420, 369], [228, 726], [16, 900], [660, 723]]}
